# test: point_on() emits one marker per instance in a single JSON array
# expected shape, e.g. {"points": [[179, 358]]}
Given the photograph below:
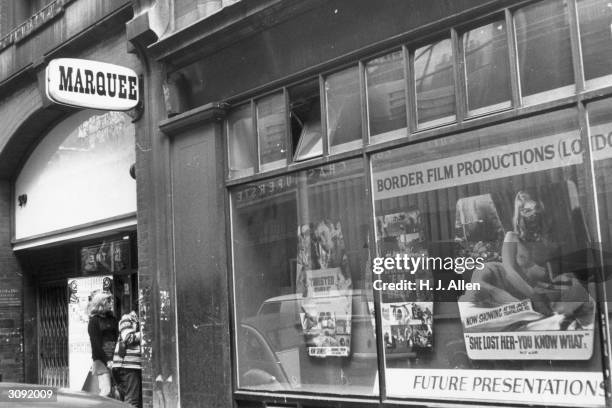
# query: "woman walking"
{"points": [[103, 334]]}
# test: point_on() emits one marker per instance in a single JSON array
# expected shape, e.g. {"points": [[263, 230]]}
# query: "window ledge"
{"points": [[193, 118]]}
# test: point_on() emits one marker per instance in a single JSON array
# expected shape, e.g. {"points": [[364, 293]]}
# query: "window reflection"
{"points": [[514, 195], [301, 302], [544, 52], [241, 142], [386, 87], [600, 131], [435, 83], [271, 131], [595, 20], [343, 109], [487, 67]]}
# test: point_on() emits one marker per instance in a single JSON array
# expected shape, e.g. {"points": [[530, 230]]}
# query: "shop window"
{"points": [[306, 134], [343, 98], [300, 257], [600, 130], [544, 51], [595, 20], [386, 95], [272, 132], [435, 84], [241, 142], [487, 68], [512, 198]]}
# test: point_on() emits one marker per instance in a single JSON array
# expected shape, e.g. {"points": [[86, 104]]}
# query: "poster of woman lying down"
{"points": [[532, 303]]}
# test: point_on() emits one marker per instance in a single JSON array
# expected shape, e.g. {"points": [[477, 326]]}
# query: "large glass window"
{"points": [[435, 83], [386, 90], [600, 130], [517, 324], [544, 50], [595, 20], [343, 97], [487, 68], [301, 302]]}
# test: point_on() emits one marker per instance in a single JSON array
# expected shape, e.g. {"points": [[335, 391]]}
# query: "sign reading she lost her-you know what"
{"points": [[545, 153], [92, 84], [79, 348], [559, 388], [534, 302], [324, 282], [515, 331]]}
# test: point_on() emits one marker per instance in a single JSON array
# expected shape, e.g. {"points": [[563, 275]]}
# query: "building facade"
{"points": [[307, 140], [69, 200], [292, 160]]}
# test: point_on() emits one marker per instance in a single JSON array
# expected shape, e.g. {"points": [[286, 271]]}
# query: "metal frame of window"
{"points": [[275, 164], [463, 116], [395, 133], [463, 30], [463, 122]]}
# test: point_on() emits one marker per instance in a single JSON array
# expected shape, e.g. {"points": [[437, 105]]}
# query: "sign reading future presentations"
{"points": [[91, 84]]}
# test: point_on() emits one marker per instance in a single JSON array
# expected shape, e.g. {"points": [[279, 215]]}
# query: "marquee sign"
{"points": [[91, 84]]}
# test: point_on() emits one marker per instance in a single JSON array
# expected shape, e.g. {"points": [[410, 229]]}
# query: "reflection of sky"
{"points": [[431, 63]]}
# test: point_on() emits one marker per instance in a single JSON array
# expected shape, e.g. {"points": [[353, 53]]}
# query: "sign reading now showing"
{"points": [[91, 84]]}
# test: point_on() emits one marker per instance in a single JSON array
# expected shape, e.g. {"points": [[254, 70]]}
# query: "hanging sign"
{"points": [[91, 84]]}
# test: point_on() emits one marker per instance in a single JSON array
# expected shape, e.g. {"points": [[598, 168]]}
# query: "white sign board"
{"points": [[91, 84], [562, 388]]}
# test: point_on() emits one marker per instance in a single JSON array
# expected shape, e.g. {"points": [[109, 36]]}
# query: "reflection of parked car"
{"points": [[273, 348], [65, 398]]}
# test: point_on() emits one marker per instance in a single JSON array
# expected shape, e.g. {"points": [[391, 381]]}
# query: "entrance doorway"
{"points": [[62, 279]]}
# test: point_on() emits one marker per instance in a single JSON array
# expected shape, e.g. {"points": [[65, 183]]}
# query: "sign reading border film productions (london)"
{"points": [[91, 84]]}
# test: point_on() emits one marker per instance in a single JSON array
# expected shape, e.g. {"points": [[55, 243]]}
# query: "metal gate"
{"points": [[53, 335]]}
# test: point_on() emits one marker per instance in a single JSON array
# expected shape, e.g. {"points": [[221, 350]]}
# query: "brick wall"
{"points": [[11, 304], [145, 272]]}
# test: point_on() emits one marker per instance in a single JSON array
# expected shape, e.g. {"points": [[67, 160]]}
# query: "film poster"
{"points": [[79, 347], [407, 316], [528, 307], [324, 282]]}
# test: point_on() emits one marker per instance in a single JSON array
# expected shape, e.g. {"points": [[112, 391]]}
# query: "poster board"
{"points": [[407, 316], [323, 280], [530, 307], [79, 346]]}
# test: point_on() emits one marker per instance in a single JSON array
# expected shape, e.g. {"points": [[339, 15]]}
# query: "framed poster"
{"points": [[81, 291]]}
